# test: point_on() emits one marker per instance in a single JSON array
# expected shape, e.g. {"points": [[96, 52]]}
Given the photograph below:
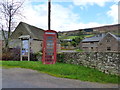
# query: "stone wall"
{"points": [[106, 62]]}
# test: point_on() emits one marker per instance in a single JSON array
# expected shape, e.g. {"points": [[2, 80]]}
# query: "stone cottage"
{"points": [[36, 36], [110, 43], [91, 44], [101, 43]]}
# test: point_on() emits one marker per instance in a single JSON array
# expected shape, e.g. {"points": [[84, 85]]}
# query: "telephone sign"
{"points": [[49, 47]]}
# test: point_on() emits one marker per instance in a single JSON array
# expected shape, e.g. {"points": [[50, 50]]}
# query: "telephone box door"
{"points": [[49, 47]]}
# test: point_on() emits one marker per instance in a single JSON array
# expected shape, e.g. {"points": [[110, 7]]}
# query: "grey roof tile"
{"points": [[93, 39], [100, 37]]}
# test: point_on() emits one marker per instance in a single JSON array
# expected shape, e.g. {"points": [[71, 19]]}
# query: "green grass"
{"points": [[0, 63], [87, 36], [65, 71], [79, 50], [71, 37]]}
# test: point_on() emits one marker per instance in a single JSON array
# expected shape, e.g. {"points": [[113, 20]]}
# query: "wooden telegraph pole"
{"points": [[49, 14]]}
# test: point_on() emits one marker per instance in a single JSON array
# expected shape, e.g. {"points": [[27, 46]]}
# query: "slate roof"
{"points": [[94, 38], [99, 37], [34, 32]]}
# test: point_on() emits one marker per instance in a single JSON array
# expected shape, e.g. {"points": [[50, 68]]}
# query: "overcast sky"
{"points": [[71, 14]]}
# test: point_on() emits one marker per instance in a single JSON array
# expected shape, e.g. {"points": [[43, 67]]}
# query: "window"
{"points": [[49, 40], [50, 44], [108, 48], [49, 37], [85, 47], [91, 47], [50, 50], [50, 54], [49, 47]]}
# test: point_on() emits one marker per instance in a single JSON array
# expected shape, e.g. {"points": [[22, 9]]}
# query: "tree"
{"points": [[73, 43], [9, 10]]}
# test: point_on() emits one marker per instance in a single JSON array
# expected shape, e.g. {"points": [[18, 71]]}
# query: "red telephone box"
{"points": [[49, 47]]}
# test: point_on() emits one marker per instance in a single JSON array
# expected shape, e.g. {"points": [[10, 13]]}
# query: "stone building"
{"points": [[91, 44], [101, 43], [36, 36], [110, 43]]}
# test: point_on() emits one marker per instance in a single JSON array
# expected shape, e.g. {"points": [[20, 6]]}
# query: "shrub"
{"points": [[60, 57], [12, 54], [38, 55], [33, 57]]}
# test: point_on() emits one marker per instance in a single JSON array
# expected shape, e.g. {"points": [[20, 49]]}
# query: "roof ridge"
{"points": [[31, 25], [113, 35]]}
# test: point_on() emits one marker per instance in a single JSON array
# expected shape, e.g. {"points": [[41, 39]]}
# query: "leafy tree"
{"points": [[73, 43]]}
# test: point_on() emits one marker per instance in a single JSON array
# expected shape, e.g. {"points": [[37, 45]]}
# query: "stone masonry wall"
{"points": [[106, 62]]}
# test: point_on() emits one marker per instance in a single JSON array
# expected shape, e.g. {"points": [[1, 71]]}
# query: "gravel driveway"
{"points": [[26, 78]]}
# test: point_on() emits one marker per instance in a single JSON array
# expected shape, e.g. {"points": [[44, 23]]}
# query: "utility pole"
{"points": [[49, 14]]}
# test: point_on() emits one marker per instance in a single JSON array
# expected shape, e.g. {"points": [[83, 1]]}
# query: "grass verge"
{"points": [[65, 71]]}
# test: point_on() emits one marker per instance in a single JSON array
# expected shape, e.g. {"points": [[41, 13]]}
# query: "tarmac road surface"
{"points": [[27, 78]]}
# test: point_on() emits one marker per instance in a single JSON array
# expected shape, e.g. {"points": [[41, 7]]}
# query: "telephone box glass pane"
{"points": [[49, 40], [49, 50], [50, 33], [49, 37]]}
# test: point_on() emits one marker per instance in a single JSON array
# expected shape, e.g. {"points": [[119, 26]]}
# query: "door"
{"points": [[49, 47], [49, 52]]}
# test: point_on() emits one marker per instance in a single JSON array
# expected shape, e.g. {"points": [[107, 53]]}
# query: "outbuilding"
{"points": [[36, 36]]}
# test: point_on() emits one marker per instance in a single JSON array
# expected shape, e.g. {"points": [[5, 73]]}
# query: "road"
{"points": [[26, 78]]}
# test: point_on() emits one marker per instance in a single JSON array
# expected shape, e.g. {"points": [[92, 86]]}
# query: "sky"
{"points": [[69, 15]]}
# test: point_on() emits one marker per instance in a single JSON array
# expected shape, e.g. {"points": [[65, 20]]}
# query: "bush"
{"points": [[13, 54], [60, 57], [33, 57], [39, 55]]}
